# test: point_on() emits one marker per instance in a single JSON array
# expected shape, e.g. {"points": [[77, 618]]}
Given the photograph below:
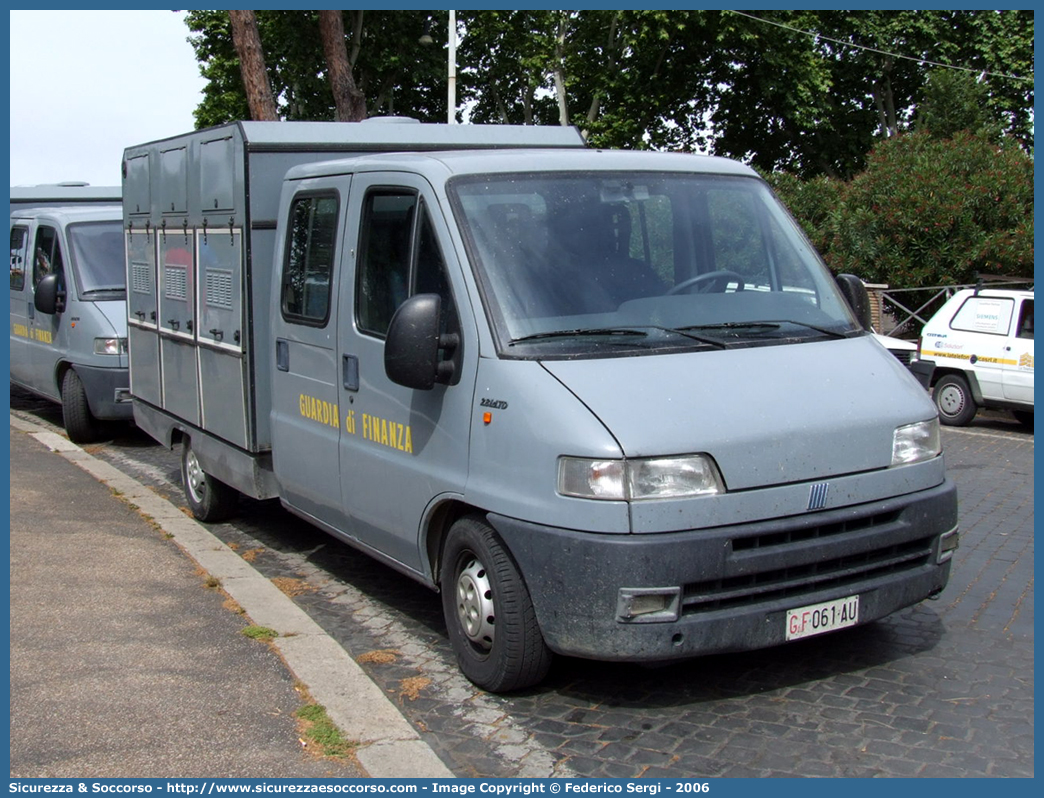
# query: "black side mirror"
{"points": [[855, 294], [49, 296], [411, 350]]}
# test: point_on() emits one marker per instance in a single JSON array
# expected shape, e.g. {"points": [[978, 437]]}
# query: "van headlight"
{"points": [[110, 346], [635, 480], [916, 442]]}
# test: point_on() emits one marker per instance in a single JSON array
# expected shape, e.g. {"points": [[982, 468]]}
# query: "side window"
{"points": [[399, 257], [308, 262], [431, 277], [384, 258], [984, 314], [19, 247], [1026, 320], [47, 257]]}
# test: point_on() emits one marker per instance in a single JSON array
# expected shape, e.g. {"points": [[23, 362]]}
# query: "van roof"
{"points": [[69, 214], [1000, 293], [380, 134], [464, 162], [68, 192]]}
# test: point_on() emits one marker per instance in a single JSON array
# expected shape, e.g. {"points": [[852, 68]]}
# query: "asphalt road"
{"points": [[944, 688]]}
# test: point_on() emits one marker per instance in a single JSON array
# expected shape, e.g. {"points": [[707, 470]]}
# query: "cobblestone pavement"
{"points": [[944, 688]]}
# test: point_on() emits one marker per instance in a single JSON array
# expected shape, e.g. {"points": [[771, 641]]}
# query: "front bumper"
{"points": [[108, 392], [734, 583]]}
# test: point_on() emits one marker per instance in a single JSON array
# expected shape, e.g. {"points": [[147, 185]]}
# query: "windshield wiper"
{"points": [[600, 331], [108, 289], [773, 324]]}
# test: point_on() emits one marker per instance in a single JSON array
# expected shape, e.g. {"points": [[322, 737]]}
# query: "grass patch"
{"points": [[320, 734], [259, 632]]}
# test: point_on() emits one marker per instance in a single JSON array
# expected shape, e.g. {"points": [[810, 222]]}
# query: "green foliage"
{"points": [[813, 203], [954, 102], [930, 211], [804, 91], [397, 74]]}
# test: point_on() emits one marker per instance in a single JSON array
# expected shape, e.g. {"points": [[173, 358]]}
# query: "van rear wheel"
{"points": [[953, 398], [489, 614], [80, 423], [209, 499]]}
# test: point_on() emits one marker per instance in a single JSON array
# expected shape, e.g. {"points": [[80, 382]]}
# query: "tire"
{"points": [[80, 424], [489, 614], [1024, 417], [209, 499], [953, 398]]}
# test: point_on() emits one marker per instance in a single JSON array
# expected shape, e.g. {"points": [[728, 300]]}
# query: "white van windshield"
{"points": [[98, 259], [575, 264]]}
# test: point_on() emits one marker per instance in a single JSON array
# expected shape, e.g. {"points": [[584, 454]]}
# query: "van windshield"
{"points": [[98, 259], [600, 264]]}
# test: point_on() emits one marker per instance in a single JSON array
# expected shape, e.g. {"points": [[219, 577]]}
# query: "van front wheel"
{"points": [[209, 499], [80, 424], [953, 398], [489, 613]]}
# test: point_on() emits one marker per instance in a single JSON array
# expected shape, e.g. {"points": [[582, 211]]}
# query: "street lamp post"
{"points": [[452, 100]]}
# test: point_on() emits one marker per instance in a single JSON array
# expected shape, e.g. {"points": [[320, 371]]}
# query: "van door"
{"points": [[46, 332], [1018, 372], [990, 320], [401, 449], [21, 302], [306, 420]]}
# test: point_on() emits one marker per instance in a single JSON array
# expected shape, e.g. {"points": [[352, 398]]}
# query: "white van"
{"points": [[981, 342], [69, 313]]}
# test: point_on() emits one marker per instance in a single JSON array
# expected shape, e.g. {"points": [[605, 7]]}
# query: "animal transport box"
{"points": [[200, 216]]}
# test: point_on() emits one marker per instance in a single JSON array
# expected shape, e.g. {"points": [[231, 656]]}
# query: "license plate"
{"points": [[826, 617]]}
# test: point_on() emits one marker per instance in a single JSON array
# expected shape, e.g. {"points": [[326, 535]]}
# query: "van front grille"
{"points": [[813, 532], [737, 591]]}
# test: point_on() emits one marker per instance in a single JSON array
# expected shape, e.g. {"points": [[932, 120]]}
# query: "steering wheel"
{"points": [[720, 279]]}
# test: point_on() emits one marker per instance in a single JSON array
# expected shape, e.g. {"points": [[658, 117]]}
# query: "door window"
{"points": [[399, 257], [47, 257], [308, 265], [1026, 320], [19, 243]]}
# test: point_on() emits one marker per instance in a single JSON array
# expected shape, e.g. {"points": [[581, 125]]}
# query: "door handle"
{"points": [[350, 372], [282, 354]]}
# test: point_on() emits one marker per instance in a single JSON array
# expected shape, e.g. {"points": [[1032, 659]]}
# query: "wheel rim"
{"points": [[195, 478], [475, 609], [951, 400]]}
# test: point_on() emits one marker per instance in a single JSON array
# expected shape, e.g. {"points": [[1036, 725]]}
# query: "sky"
{"points": [[112, 79]]}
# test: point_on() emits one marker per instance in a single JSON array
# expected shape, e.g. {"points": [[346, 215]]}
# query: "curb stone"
{"points": [[389, 746]]}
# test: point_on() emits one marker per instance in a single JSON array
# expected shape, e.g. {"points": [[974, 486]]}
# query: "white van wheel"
{"points": [[80, 424], [953, 398], [489, 614], [209, 499]]}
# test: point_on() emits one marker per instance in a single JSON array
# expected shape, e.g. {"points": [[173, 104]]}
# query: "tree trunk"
{"points": [[350, 102], [560, 89], [247, 41]]}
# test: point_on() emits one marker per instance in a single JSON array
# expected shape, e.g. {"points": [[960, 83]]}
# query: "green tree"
{"points": [[809, 92], [393, 73], [929, 211], [953, 102]]}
